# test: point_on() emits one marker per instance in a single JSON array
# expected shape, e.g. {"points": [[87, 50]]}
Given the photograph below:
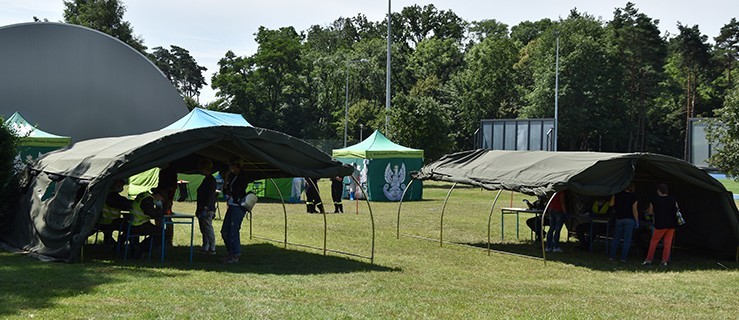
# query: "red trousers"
{"points": [[668, 234]]}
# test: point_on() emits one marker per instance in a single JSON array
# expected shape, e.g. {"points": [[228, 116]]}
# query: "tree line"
{"points": [[624, 86]]}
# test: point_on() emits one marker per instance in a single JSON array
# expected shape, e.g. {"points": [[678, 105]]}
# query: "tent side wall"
{"points": [[386, 179]]}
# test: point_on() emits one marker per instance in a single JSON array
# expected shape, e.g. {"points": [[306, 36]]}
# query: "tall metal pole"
{"points": [[387, 79], [556, 95], [346, 105]]}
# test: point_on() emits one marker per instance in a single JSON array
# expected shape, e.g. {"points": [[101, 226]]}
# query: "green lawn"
{"points": [[730, 185], [410, 278]]}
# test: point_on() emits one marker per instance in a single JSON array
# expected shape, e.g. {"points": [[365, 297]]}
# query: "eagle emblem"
{"points": [[395, 182]]}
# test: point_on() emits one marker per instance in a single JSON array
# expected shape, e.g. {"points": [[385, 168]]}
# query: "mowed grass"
{"points": [[731, 185], [409, 279]]}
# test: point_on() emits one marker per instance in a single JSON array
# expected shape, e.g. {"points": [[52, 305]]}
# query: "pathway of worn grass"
{"points": [[410, 278]]}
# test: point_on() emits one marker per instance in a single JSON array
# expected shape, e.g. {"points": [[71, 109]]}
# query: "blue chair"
{"points": [[127, 239]]}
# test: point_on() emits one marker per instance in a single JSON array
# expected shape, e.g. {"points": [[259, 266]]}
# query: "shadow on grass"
{"points": [[28, 284], [260, 258], [683, 260]]}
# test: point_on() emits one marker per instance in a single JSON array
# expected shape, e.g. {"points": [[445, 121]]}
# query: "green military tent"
{"points": [[64, 191], [712, 215], [383, 167], [34, 142], [198, 118]]}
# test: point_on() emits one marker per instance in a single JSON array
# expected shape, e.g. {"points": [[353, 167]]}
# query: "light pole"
{"points": [[556, 94], [361, 127], [387, 79], [346, 101]]}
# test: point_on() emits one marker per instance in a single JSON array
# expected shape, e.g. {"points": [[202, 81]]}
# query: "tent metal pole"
{"points": [[400, 204], [325, 228], [372, 217], [541, 230], [284, 209], [490, 217], [441, 223], [325, 232]]}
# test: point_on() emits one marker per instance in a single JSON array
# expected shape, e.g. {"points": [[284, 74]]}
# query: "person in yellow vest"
{"points": [[146, 206], [111, 219], [600, 209]]}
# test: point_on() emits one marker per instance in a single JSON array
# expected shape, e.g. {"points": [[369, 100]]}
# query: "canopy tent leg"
{"points": [[541, 230], [400, 204], [443, 208], [284, 209], [490, 217], [325, 224], [372, 218]]}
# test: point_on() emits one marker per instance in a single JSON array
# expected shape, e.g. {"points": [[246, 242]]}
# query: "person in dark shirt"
{"points": [[206, 206], [313, 196], [337, 192], [167, 186], [235, 191], [626, 214], [664, 208]]}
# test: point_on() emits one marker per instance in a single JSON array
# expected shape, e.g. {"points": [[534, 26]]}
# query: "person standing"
{"points": [[313, 196], [167, 186], [337, 192], [557, 214], [626, 214], [206, 206], [664, 208], [297, 189], [235, 191]]}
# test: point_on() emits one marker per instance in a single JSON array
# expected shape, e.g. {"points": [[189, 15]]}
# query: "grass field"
{"points": [[410, 278], [730, 185]]}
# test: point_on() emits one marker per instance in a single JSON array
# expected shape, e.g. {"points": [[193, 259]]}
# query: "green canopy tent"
{"points": [[383, 167], [63, 194], [712, 215], [198, 118], [34, 142]]}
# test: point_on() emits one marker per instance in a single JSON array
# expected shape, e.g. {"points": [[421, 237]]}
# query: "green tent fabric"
{"points": [[712, 215], [383, 168], [64, 193], [198, 118], [34, 142]]}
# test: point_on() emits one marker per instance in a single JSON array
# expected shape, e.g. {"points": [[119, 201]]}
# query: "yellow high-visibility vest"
{"points": [[137, 214]]}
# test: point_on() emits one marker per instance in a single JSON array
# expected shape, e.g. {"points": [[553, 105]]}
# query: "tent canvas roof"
{"points": [[199, 117], [712, 215], [32, 135], [377, 146], [264, 153], [56, 223]]}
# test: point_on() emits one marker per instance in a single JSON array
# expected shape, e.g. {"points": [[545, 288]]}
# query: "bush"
{"points": [[8, 177]]}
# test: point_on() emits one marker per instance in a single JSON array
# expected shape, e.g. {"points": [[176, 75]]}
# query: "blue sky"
{"points": [[210, 28]]}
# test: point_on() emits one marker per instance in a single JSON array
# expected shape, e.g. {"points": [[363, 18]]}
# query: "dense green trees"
{"points": [[105, 16], [623, 85], [180, 68]]}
